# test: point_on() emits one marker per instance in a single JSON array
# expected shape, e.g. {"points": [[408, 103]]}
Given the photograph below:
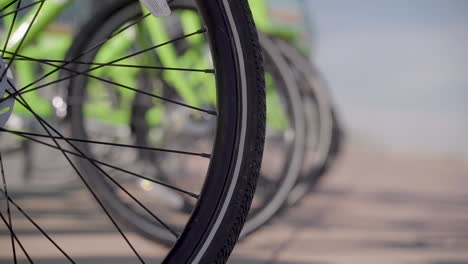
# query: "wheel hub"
{"points": [[6, 106]]}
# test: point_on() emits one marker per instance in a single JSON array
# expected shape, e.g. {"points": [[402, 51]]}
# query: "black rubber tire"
{"points": [[218, 218], [291, 170], [331, 134]]}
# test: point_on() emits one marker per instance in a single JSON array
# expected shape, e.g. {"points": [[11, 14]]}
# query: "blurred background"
{"points": [[397, 72]]}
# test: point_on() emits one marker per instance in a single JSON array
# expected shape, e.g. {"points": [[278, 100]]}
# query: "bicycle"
{"points": [[283, 184], [234, 161], [280, 186]]}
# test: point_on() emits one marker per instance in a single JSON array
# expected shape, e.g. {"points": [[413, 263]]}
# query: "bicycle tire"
{"points": [[331, 135], [291, 171], [216, 222]]}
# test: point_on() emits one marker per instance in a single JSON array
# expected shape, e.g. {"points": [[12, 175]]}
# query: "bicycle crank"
{"points": [[6, 106]]}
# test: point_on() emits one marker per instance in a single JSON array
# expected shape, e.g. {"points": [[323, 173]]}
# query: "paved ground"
{"points": [[372, 208]]}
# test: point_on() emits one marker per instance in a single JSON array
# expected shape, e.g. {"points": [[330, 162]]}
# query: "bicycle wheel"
{"points": [[279, 173], [324, 133], [285, 137], [233, 161]]}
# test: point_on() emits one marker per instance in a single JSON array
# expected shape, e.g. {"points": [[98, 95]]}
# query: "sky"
{"points": [[398, 71]]}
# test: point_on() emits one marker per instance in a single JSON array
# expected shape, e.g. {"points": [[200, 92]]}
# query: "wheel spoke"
{"points": [[46, 126], [210, 112], [203, 155], [10, 30], [95, 162], [9, 227], [22, 90], [37, 226], [22, 8], [191, 194], [44, 61], [84, 53], [22, 40], [85, 73], [8, 5], [8, 209]]}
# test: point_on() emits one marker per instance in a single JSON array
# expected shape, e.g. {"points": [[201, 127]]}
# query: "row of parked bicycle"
{"points": [[161, 117]]}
